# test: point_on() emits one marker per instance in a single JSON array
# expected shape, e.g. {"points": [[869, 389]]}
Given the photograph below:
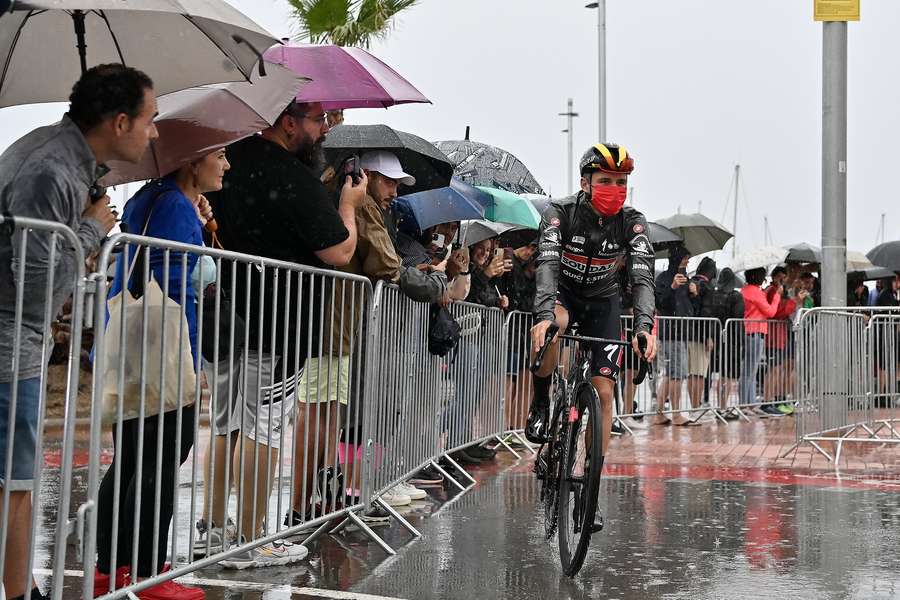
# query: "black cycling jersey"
{"points": [[582, 254]]}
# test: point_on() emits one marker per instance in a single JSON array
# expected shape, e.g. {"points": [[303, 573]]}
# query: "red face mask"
{"points": [[608, 200]]}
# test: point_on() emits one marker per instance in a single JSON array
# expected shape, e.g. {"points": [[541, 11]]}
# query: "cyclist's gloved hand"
{"points": [[539, 334], [650, 353]]}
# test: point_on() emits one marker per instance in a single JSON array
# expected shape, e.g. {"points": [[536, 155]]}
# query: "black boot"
{"points": [[539, 413]]}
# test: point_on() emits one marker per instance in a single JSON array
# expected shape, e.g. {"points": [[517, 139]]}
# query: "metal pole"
{"points": [[834, 163], [737, 183], [569, 114], [601, 30]]}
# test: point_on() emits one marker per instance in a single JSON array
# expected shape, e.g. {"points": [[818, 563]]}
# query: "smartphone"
{"points": [[350, 167], [682, 272], [498, 254], [437, 239]]}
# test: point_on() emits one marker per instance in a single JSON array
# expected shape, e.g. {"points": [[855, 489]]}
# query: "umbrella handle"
{"points": [[262, 64]]}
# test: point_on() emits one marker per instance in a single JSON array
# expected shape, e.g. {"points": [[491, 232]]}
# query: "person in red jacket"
{"points": [[778, 346], [757, 310]]}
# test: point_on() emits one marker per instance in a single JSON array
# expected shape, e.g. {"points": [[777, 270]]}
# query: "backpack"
{"points": [[716, 305], [443, 331]]}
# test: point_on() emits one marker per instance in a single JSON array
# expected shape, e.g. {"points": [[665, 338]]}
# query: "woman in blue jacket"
{"points": [[171, 208]]}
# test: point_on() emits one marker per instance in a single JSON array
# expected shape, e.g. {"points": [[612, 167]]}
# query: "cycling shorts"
{"points": [[600, 318]]}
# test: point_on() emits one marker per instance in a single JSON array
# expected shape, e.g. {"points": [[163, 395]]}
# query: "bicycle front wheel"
{"points": [[579, 483]]}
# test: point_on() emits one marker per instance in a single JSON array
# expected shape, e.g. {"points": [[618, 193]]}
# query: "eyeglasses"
{"points": [[320, 120]]}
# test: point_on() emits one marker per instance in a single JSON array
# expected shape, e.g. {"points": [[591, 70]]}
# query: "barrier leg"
{"points": [[316, 534], [399, 518], [526, 443], [819, 448], [461, 470], [508, 447], [441, 470], [352, 516], [623, 425]]}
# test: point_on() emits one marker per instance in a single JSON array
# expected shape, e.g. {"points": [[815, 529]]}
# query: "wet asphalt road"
{"points": [[669, 534]]}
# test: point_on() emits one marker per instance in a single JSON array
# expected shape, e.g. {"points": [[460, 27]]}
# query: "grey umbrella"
{"points": [[418, 157], [870, 274], [886, 255], [481, 164], [472, 232], [539, 201], [803, 253], [663, 239], [178, 43], [700, 233]]}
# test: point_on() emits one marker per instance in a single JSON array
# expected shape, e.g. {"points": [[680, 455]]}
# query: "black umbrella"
{"points": [[804, 253], [886, 255], [418, 157], [518, 237], [663, 239], [481, 164]]}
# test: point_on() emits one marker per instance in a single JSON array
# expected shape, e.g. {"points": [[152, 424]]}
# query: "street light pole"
{"points": [[834, 163], [569, 114], [600, 5]]}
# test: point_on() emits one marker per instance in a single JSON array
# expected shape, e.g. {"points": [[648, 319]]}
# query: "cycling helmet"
{"points": [[608, 158]]}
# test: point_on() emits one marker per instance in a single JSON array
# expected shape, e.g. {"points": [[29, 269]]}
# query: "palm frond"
{"points": [[346, 22], [320, 20]]}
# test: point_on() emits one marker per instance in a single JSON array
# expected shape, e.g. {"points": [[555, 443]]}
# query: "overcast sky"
{"points": [[695, 86]]}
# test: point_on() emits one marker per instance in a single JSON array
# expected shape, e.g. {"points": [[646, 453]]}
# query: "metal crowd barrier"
{"points": [[849, 393], [40, 253], [279, 388]]}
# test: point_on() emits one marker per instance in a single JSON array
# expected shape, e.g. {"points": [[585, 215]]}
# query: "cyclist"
{"points": [[584, 241]]}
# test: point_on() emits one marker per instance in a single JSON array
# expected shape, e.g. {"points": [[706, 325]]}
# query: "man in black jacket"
{"points": [[673, 299], [584, 240]]}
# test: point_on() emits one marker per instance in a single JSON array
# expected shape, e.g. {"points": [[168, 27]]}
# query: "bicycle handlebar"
{"points": [[646, 368]]}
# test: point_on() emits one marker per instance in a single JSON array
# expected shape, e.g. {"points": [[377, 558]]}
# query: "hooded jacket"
{"points": [[673, 302]]}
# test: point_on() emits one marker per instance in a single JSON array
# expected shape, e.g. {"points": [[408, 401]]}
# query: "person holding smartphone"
{"points": [[488, 265], [673, 299]]}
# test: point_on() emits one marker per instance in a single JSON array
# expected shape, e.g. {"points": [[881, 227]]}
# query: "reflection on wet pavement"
{"points": [[676, 533]]}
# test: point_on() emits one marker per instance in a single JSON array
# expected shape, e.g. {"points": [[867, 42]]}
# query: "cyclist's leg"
{"points": [[539, 411], [605, 322]]}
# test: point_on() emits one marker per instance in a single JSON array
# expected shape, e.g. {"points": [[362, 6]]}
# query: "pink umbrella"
{"points": [[196, 121], [345, 77]]}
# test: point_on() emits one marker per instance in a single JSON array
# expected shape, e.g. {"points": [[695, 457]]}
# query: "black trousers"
{"points": [[131, 489]]}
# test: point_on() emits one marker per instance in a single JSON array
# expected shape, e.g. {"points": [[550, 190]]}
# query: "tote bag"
{"points": [[164, 375]]}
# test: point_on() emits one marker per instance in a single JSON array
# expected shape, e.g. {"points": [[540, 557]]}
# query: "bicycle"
{"points": [[565, 461]]}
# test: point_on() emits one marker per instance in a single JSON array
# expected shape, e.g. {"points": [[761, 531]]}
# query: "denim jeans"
{"points": [[754, 344]]}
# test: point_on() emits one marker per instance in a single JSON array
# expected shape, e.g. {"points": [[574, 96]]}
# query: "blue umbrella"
{"points": [[457, 202]]}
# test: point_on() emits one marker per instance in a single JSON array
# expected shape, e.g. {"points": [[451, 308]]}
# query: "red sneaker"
{"points": [[171, 591], [101, 581]]}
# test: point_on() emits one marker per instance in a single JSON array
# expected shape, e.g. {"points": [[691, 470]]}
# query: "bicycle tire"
{"points": [[550, 484], [578, 495]]}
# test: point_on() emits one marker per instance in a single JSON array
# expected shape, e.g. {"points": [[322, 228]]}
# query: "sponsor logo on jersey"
{"points": [[554, 222], [608, 246], [579, 263], [606, 371], [549, 254], [577, 239], [552, 236], [640, 267], [641, 247], [638, 228]]}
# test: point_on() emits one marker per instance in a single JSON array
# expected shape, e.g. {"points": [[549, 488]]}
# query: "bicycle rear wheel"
{"points": [[579, 483]]}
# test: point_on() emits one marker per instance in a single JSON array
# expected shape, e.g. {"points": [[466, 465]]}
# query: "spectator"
{"points": [[886, 338], [814, 291], [46, 175], [487, 268], [779, 347], [700, 333], [673, 300], [273, 205], [171, 208], [857, 293], [873, 295], [757, 309], [728, 307], [518, 284], [329, 379]]}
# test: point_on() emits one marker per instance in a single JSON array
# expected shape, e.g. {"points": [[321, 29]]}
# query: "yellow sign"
{"points": [[836, 10]]}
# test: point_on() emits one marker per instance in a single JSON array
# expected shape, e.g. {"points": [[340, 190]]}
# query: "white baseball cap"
{"points": [[387, 164]]}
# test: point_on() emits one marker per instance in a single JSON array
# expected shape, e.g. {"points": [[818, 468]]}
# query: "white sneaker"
{"points": [[277, 553], [410, 490], [633, 423], [393, 497]]}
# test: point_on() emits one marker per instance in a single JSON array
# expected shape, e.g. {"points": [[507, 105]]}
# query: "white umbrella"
{"points": [[472, 232], [178, 43], [759, 258], [857, 261], [197, 121], [700, 233]]}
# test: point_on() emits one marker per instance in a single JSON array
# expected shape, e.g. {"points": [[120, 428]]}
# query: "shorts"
{"points": [[674, 357], [698, 359], [600, 318], [325, 380], [24, 442], [267, 408]]}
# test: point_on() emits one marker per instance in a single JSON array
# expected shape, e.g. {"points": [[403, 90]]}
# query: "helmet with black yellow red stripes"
{"points": [[609, 158]]}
